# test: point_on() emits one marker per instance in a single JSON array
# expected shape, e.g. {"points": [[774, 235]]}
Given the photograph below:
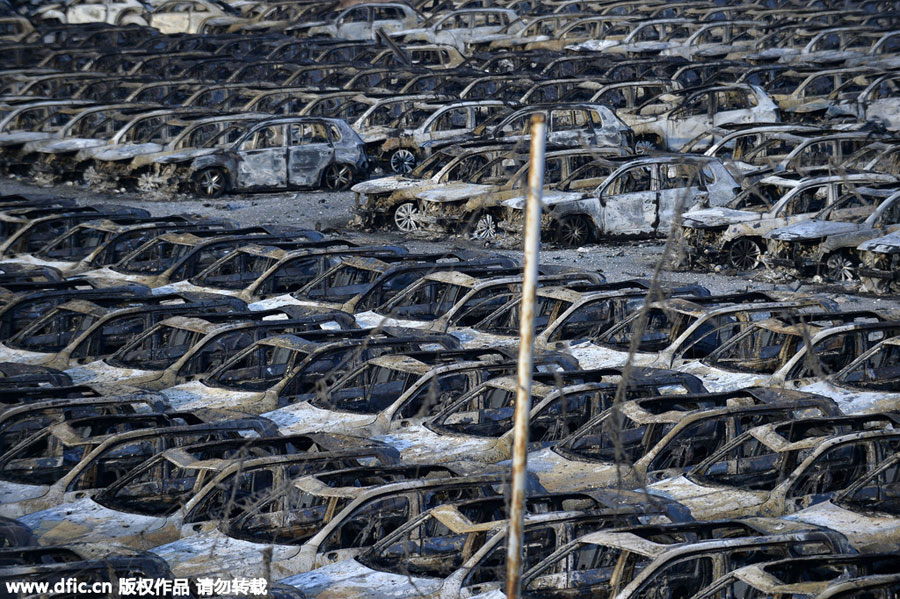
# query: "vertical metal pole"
{"points": [[526, 342]]}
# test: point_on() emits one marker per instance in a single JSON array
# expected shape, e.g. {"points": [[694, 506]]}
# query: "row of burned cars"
{"points": [[188, 399], [653, 111]]}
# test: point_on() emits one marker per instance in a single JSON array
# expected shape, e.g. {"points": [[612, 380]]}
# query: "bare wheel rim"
{"points": [[406, 217], [93, 177], [211, 182], [403, 161], [744, 254], [840, 268], [485, 227], [338, 177], [643, 146], [573, 232]]}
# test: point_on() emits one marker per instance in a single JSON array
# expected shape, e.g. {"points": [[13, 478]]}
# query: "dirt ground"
{"points": [[333, 212]]}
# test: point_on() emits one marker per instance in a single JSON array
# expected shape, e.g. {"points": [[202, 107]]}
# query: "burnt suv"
{"points": [[283, 153]]}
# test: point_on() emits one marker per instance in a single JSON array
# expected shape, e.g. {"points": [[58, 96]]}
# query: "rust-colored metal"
{"points": [[526, 344]]}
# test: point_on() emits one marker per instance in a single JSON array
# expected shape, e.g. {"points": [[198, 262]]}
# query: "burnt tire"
{"points": [[574, 231], [211, 182], [406, 217], [337, 177], [744, 254], [403, 161]]}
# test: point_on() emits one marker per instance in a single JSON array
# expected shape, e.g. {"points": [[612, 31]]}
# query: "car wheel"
{"points": [[644, 146], [210, 182], [574, 231], [403, 161], [744, 254], [338, 177], [838, 267], [483, 226], [93, 177], [406, 217]]}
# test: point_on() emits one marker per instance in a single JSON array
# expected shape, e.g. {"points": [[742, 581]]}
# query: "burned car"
{"points": [[320, 519], [661, 437], [19, 310], [151, 171], [818, 577], [172, 257], [203, 483], [476, 429], [558, 565], [34, 235], [791, 350], [868, 384], [780, 468], [866, 511], [674, 331], [640, 198], [475, 205], [385, 199], [733, 234], [78, 332], [409, 388], [880, 263], [826, 244], [568, 124], [672, 119], [99, 243], [278, 368], [181, 348], [72, 459], [674, 559], [90, 564], [304, 152]]}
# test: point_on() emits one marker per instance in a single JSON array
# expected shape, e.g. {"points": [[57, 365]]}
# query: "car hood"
{"points": [[559, 474], [383, 184], [813, 229], [419, 445], [195, 394], [868, 532], [888, 244], [852, 401], [453, 192], [99, 371], [23, 356], [548, 198], [591, 356], [22, 137], [403, 32], [773, 54], [717, 380], [307, 418], [594, 45], [118, 152], [62, 146], [171, 157], [15, 496], [717, 217], [709, 502], [349, 579], [216, 554], [85, 520]]}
